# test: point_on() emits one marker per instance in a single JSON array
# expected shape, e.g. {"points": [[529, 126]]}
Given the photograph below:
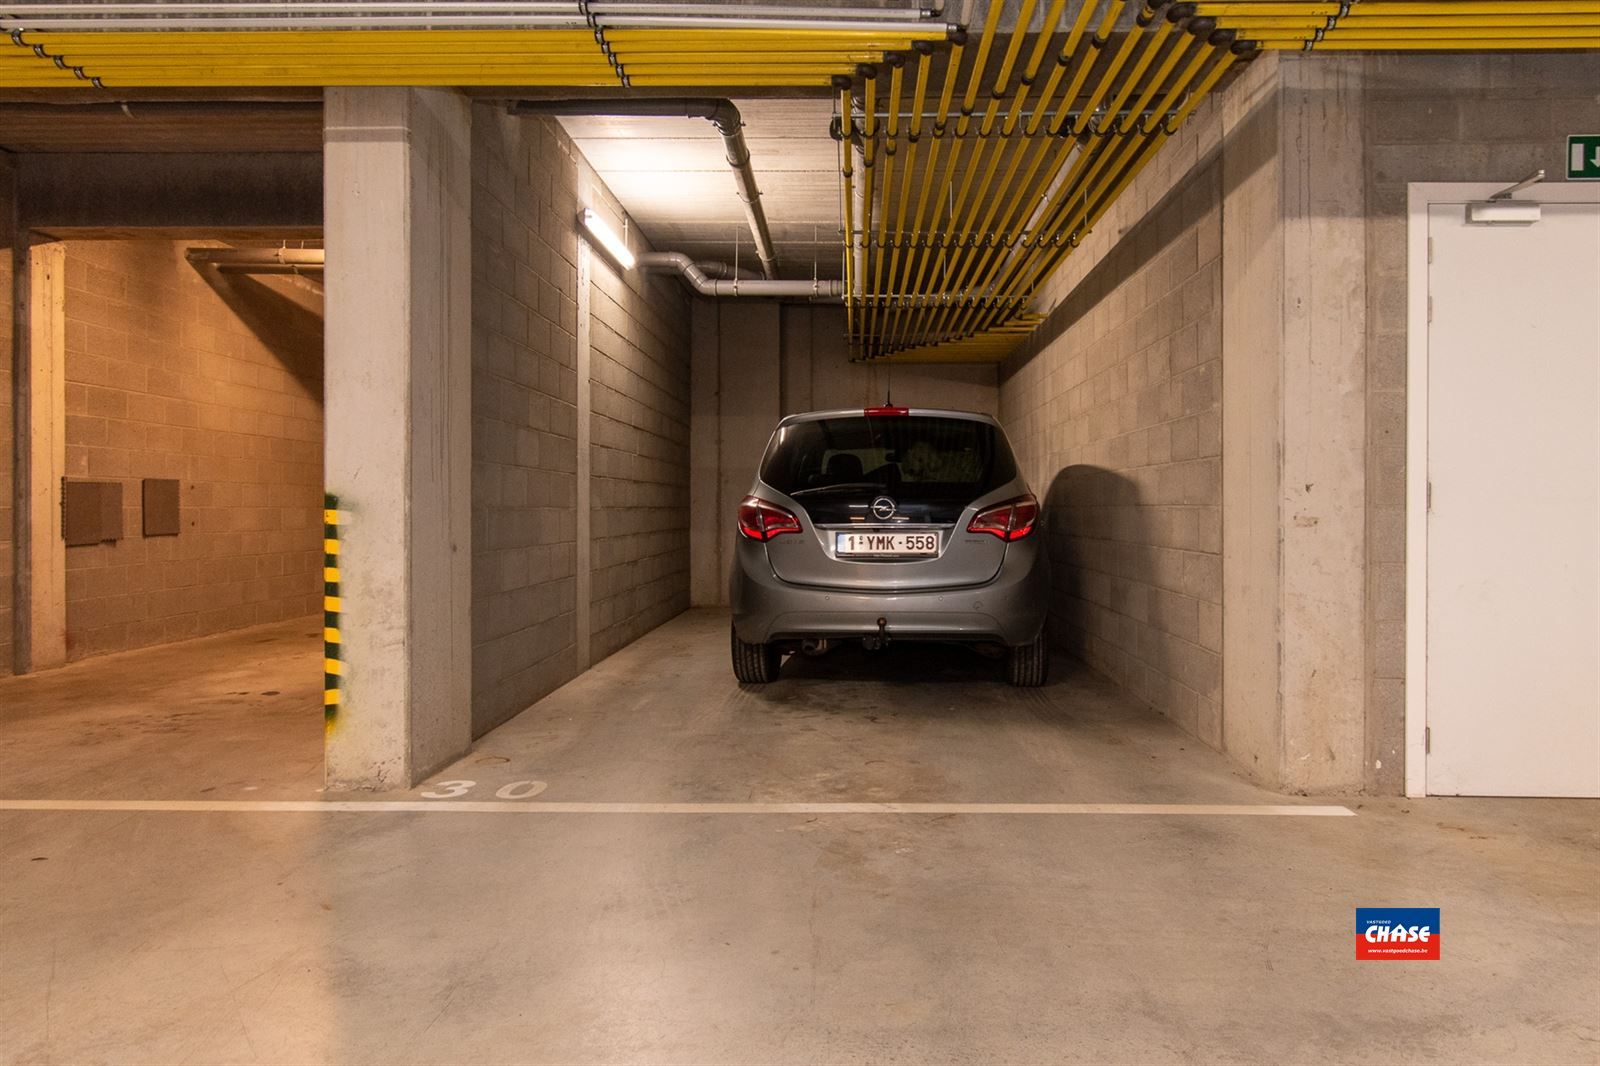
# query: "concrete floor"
{"points": [[389, 935], [237, 715]]}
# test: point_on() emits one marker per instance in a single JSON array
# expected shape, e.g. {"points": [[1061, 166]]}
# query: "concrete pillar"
{"points": [[41, 578], [398, 401], [1294, 358]]}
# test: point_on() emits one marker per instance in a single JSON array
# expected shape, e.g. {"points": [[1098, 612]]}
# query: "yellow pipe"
{"points": [[886, 186], [1133, 40], [847, 172], [1064, 60], [1002, 78], [1306, 26], [313, 63], [959, 208], [1104, 195], [952, 164], [869, 151], [420, 45], [410, 79], [1030, 71], [396, 72], [1221, 9], [1485, 44], [51, 38], [381, 55], [952, 72], [1111, 16], [919, 96], [416, 46], [544, 37], [1001, 277], [1252, 26], [853, 39], [1038, 150], [963, 121], [991, 23], [1443, 33], [1013, 113], [1109, 78], [680, 63], [1360, 21], [941, 118], [751, 82], [1234, 8], [1153, 84]]}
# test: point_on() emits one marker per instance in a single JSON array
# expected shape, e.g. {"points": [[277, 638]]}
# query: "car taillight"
{"points": [[760, 520], [1011, 520], [886, 411]]}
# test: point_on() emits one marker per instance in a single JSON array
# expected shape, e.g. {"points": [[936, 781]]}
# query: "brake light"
{"points": [[881, 412], [1011, 520], [760, 520]]}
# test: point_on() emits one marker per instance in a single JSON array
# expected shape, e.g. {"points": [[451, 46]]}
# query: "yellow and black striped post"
{"points": [[332, 657]]}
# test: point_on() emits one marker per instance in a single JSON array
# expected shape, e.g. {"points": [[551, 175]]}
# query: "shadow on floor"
{"points": [[903, 663]]}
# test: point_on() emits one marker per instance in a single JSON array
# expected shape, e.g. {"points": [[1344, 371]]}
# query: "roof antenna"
{"points": [[888, 387]]}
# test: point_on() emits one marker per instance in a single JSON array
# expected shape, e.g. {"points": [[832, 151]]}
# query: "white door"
{"points": [[1513, 529]]}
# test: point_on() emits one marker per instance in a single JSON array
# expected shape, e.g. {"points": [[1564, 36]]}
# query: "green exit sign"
{"points": [[1583, 157]]}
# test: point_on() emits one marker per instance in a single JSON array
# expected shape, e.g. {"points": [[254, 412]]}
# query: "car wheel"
{"points": [[754, 664], [1028, 665]]}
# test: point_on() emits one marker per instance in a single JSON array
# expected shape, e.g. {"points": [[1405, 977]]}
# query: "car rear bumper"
{"points": [[1009, 609]]}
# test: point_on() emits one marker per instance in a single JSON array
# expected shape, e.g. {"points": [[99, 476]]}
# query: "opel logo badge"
{"points": [[883, 508]]}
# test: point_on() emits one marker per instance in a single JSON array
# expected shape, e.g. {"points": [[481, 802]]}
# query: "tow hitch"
{"points": [[880, 640]]}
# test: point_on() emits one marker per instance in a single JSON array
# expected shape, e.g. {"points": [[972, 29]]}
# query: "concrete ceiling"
{"points": [[673, 178]]}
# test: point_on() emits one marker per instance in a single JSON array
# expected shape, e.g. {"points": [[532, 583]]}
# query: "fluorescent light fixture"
{"points": [[613, 244]]}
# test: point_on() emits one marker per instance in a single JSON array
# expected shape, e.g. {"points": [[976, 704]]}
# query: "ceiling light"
{"points": [[614, 245]]}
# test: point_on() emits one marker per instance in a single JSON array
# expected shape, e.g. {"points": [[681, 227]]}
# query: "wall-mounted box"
{"points": [[91, 512], [160, 507]]}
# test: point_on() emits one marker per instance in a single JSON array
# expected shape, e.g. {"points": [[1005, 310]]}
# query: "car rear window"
{"points": [[928, 456]]}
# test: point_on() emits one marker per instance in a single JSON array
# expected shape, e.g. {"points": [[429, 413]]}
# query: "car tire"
{"points": [[1028, 665], [754, 664]]}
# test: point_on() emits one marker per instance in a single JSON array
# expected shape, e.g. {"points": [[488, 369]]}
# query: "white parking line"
{"points": [[532, 807]]}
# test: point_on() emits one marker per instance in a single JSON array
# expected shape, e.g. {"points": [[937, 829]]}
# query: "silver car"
{"points": [[884, 524]]}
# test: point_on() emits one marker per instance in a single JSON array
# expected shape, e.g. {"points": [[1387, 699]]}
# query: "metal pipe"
{"points": [[720, 113], [705, 285], [257, 256], [289, 7], [301, 261]]}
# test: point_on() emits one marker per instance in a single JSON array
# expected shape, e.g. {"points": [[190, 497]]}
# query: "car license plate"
{"points": [[886, 543]]}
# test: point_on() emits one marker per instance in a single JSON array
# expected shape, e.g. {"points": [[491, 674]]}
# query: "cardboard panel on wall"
{"points": [[91, 512], [160, 507]]}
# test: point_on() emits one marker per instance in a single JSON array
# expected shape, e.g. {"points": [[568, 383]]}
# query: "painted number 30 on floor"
{"points": [[516, 790]]}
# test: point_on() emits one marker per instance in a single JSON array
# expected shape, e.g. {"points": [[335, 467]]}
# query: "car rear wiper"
{"points": [[836, 488]]}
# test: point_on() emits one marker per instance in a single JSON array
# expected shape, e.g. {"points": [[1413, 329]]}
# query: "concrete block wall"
{"points": [[758, 360], [524, 423], [528, 185], [639, 452], [212, 379], [8, 234], [1114, 408], [1488, 118]]}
